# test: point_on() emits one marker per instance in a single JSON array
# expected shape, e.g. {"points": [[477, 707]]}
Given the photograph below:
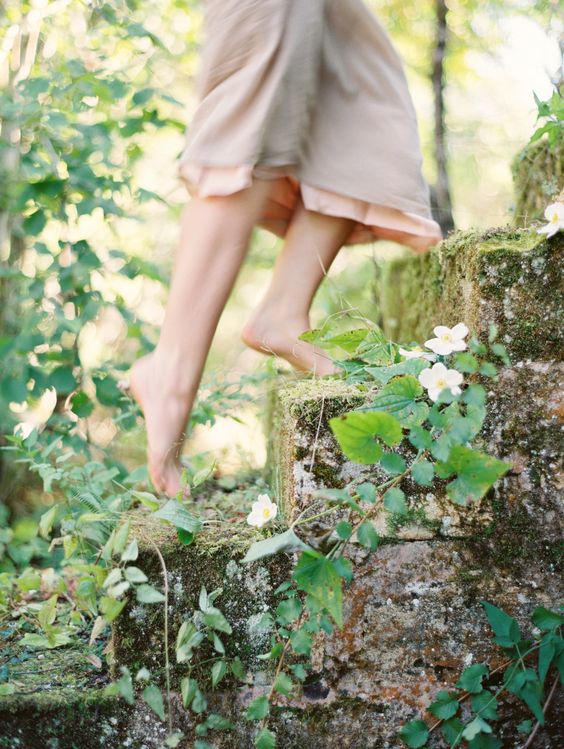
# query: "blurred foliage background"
{"points": [[94, 100]]}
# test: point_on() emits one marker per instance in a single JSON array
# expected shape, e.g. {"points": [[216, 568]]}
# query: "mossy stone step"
{"points": [[59, 702], [510, 277], [213, 560], [305, 457]]}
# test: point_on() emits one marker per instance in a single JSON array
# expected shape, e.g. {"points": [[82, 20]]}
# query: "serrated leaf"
{"points": [[265, 739], [471, 678], [319, 578], [506, 629], [367, 536], [357, 432], [148, 594], [394, 501], [258, 708], [219, 669], [414, 734], [444, 706], [423, 472], [153, 697], [173, 512], [283, 684]]}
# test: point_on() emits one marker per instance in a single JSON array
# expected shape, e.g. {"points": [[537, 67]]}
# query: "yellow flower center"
{"points": [[446, 337], [554, 218], [266, 512], [441, 384]]}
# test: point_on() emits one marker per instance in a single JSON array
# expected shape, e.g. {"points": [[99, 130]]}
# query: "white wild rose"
{"points": [[554, 214], [448, 339], [262, 511], [437, 378]]}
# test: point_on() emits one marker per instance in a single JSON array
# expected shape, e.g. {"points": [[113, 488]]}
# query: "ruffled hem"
{"points": [[373, 221]]}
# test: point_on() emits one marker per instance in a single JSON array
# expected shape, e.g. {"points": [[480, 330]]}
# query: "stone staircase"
{"points": [[413, 618]]}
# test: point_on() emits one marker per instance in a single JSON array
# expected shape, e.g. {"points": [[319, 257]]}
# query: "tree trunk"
{"points": [[441, 192]]}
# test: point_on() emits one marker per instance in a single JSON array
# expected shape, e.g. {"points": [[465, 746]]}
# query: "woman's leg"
{"points": [[214, 238], [312, 243]]}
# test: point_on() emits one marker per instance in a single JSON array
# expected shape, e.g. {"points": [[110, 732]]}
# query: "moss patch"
{"points": [[538, 174], [510, 277]]}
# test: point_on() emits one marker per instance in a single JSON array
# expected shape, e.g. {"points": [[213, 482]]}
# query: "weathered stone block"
{"points": [[525, 431], [510, 277], [213, 560], [538, 175]]}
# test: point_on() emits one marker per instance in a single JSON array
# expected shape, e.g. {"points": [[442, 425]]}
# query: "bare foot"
{"points": [[166, 414], [264, 333]]}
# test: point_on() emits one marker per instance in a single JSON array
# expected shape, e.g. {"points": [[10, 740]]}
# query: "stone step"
{"points": [[523, 427], [214, 561], [510, 277]]}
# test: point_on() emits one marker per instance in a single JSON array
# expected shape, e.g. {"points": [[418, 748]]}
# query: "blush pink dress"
{"points": [[310, 94]]}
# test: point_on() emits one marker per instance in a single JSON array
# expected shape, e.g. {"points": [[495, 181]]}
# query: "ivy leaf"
{"points": [[393, 463], [148, 594], [506, 629], [414, 734], [219, 669], [476, 473], [301, 642], [475, 727], [423, 472], [367, 536], [258, 709], [287, 541], [398, 398], [288, 610], [153, 697], [545, 619], [444, 706], [265, 739], [394, 501], [283, 684], [319, 578], [471, 678], [175, 513], [357, 431]]}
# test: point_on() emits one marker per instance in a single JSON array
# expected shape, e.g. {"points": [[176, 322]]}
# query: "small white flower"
{"points": [[416, 352], [262, 511], [438, 378], [554, 214], [448, 339]]}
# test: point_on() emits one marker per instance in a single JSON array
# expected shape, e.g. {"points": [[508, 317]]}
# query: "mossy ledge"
{"points": [[212, 560], [507, 276]]}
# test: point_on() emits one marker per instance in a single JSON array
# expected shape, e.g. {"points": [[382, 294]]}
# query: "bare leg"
{"points": [[312, 243], [214, 238]]}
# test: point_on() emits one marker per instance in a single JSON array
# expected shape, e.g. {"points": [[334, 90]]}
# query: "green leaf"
{"points": [[525, 726], [393, 463], [420, 438], [7, 689], [258, 709], [343, 529], [46, 522], [545, 619], [283, 684], [153, 697], [301, 642], [111, 608], [135, 575], [199, 703], [407, 367], [148, 594], [288, 610], [125, 687], [357, 431], [414, 734], [173, 512], [423, 472], [185, 537], [476, 473], [147, 499], [506, 629], [452, 730], [265, 739], [219, 669], [444, 706], [398, 398], [188, 688], [394, 501], [287, 541], [319, 578], [471, 678], [485, 703], [238, 670], [214, 618], [367, 536], [131, 552], [548, 648], [366, 492]]}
